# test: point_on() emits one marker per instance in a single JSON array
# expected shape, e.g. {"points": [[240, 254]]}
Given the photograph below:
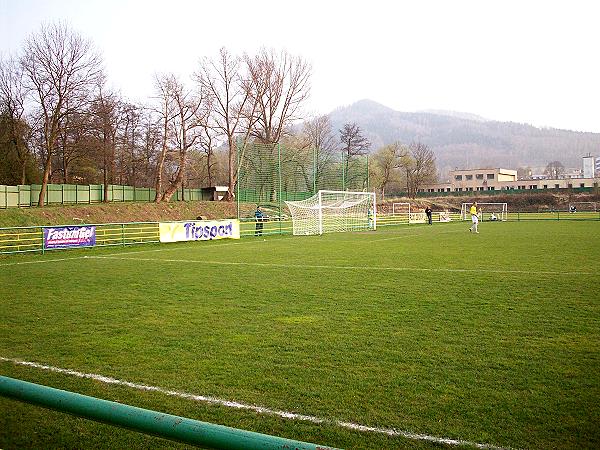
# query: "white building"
{"points": [[589, 166]]}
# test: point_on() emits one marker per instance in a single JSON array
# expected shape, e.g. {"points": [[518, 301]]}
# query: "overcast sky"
{"points": [[528, 61]]}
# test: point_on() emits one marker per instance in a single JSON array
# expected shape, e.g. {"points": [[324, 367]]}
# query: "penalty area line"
{"points": [[255, 408]]}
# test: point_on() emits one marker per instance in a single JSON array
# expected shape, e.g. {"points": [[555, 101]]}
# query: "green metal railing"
{"points": [[31, 239], [155, 423]]}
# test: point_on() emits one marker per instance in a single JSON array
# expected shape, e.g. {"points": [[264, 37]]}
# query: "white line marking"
{"points": [[41, 261], [318, 266], [44, 261], [255, 408]]}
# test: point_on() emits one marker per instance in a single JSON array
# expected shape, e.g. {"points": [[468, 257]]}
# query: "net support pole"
{"points": [[315, 156], [320, 213], [280, 182], [237, 182], [176, 428], [374, 211]]}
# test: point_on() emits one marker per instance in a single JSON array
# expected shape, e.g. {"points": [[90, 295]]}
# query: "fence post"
{"points": [[123, 234]]}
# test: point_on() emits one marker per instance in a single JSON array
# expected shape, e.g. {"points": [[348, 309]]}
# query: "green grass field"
{"points": [[418, 334]]}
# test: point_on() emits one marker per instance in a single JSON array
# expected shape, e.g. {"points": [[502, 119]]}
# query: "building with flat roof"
{"points": [[496, 179]]}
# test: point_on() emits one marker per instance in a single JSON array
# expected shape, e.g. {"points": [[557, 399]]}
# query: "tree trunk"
{"points": [[159, 172], [231, 179], [178, 180], [47, 167]]}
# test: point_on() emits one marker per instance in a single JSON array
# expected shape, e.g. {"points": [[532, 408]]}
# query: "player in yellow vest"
{"points": [[474, 218]]}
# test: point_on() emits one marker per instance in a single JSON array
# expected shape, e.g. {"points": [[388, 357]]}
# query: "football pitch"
{"points": [[407, 337]]}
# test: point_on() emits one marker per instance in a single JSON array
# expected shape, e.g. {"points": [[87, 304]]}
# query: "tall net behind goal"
{"points": [[488, 211], [333, 211]]}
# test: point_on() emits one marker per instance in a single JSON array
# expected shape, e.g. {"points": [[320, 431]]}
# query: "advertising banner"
{"points": [[76, 236], [419, 217], [200, 230]]}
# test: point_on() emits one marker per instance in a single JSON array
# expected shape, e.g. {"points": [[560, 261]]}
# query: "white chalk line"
{"points": [[45, 261], [255, 408], [243, 242], [40, 261], [335, 267]]}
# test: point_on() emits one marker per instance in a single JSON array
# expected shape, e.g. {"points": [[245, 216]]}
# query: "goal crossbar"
{"points": [[330, 211], [500, 210]]}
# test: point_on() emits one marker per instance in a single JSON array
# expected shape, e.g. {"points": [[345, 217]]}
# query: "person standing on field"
{"points": [[428, 212], [260, 216], [474, 218]]}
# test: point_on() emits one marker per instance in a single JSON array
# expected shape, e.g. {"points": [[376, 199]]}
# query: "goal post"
{"points": [[333, 211], [489, 211]]}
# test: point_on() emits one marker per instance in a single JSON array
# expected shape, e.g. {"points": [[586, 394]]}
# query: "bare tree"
{"points": [[278, 84], [164, 85], [320, 145], [12, 106], [151, 143], [71, 144], [352, 140], [353, 144], [130, 144], [61, 68], [420, 167], [106, 111], [183, 114], [388, 161], [207, 143], [233, 109], [554, 169]]}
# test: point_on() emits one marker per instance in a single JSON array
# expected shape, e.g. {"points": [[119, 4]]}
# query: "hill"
{"points": [[464, 140]]}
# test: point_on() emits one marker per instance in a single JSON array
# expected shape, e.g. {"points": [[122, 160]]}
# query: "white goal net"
{"points": [[400, 208], [488, 211], [582, 206], [331, 211]]}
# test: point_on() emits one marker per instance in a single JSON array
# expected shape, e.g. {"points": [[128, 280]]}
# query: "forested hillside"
{"points": [[458, 141]]}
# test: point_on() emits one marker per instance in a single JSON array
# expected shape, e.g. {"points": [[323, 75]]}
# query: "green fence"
{"points": [[31, 239], [270, 174], [73, 194]]}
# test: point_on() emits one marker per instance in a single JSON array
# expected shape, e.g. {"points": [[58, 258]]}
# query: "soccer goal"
{"points": [[331, 211], [583, 206], [400, 208], [489, 211]]}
